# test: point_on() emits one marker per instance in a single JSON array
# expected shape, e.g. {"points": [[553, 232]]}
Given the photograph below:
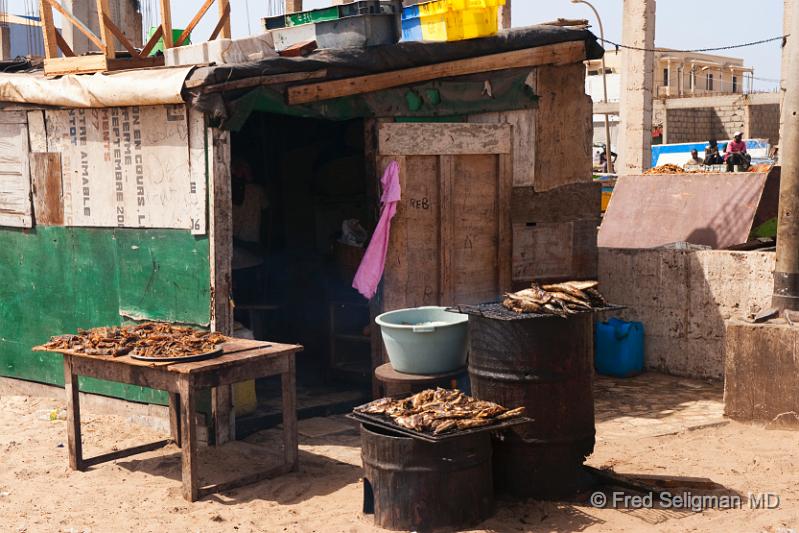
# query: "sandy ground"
{"points": [[38, 493]]}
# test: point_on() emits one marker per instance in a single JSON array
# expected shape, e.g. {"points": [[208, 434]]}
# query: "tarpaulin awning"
{"points": [[353, 62], [110, 89]]}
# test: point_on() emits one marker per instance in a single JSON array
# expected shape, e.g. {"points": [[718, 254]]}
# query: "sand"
{"points": [[38, 492]]}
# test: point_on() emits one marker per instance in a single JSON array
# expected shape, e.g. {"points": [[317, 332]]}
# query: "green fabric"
{"points": [[57, 279]]}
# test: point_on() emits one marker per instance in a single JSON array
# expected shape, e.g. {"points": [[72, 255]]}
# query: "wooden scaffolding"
{"points": [[60, 59]]}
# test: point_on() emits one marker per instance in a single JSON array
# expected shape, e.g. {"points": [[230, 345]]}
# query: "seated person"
{"points": [[694, 160], [712, 155], [603, 160], [735, 154]]}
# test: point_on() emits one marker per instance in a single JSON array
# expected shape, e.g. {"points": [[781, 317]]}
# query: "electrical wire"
{"points": [[697, 50]]}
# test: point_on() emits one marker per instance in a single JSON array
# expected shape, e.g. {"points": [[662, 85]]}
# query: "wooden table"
{"points": [[242, 360]]}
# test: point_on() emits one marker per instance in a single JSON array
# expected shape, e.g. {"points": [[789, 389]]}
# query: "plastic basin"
{"points": [[424, 340]]}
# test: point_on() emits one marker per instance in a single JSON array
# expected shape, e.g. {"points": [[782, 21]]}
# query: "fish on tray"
{"points": [[439, 411], [560, 299]]}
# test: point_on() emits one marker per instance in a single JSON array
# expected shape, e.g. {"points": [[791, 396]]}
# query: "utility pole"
{"points": [[637, 80], [786, 275]]}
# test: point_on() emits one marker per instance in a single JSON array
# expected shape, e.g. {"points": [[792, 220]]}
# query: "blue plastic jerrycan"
{"points": [[619, 348]]}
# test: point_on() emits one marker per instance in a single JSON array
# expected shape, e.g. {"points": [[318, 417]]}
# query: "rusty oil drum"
{"points": [[546, 365], [414, 485]]}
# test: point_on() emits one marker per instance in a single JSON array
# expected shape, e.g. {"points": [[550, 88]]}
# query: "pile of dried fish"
{"points": [[561, 299], [150, 339], [668, 168], [440, 411]]}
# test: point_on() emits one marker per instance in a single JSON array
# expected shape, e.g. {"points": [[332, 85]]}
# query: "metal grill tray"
{"points": [[386, 423], [497, 311]]}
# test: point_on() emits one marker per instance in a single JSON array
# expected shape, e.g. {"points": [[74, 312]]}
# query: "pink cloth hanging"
{"points": [[374, 260]]}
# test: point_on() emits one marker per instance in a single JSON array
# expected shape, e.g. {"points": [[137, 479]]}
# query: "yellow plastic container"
{"points": [[434, 27], [472, 23], [460, 5], [439, 7]]}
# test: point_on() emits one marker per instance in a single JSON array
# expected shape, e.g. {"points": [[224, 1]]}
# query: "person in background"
{"points": [[735, 154], [712, 155], [603, 160], [694, 160]]}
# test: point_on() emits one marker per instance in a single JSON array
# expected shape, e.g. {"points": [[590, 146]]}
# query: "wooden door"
{"points": [[451, 240]]}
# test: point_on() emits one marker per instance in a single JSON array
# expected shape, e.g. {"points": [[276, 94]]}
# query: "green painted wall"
{"points": [[55, 280]]}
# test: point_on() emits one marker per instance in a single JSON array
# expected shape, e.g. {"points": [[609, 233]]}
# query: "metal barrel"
{"points": [[420, 486], [545, 365]]}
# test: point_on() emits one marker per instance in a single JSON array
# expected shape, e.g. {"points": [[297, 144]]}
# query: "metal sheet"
{"points": [[715, 210]]}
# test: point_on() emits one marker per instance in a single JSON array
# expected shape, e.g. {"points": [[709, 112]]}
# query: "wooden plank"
{"points": [[106, 32], [75, 65], [224, 18], [166, 23], [289, 401], [48, 201], [63, 45], [220, 231], [444, 139], [244, 83], [223, 414], [188, 424], [246, 370], [577, 201], [447, 235], [223, 26], [198, 183], [13, 117], [505, 229], [120, 35], [74, 443], [174, 418], [78, 24], [49, 31], [16, 209], [123, 372], [128, 63], [194, 21], [148, 47], [557, 54], [127, 452], [37, 131]]}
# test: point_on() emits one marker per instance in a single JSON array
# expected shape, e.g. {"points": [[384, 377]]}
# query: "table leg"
{"points": [[188, 427], [75, 447], [223, 414], [288, 379], [174, 417]]}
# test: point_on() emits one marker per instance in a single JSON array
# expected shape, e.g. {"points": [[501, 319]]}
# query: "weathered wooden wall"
{"points": [[451, 237], [556, 205], [57, 278]]}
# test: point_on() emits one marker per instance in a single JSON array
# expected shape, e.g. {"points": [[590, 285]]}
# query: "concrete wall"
{"points": [[712, 117], [683, 299]]}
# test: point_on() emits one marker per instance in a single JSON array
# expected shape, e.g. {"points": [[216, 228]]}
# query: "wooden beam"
{"points": [[224, 15], [166, 23], [63, 45], [105, 31], [553, 54], [159, 32], [258, 80], [48, 30], [224, 21], [121, 37], [197, 18], [78, 24]]}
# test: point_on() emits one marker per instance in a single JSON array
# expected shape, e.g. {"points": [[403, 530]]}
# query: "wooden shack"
{"points": [[223, 200]]}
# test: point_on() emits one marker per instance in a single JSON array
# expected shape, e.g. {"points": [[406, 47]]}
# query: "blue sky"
{"points": [[683, 24]]}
